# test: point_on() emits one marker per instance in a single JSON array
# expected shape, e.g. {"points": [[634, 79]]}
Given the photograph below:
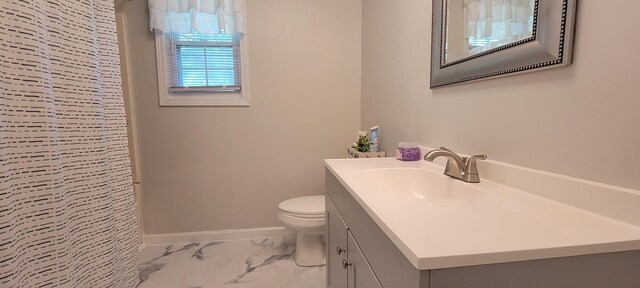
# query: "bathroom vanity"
{"points": [[401, 224]]}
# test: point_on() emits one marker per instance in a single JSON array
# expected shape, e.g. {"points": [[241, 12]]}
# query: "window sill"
{"points": [[203, 99]]}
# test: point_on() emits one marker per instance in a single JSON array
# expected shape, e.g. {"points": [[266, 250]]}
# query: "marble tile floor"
{"points": [[258, 263]]}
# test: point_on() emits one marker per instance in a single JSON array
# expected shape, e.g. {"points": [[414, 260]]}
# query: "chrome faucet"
{"points": [[462, 168]]}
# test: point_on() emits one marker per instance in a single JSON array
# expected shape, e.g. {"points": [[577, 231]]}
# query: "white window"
{"points": [[201, 69]]}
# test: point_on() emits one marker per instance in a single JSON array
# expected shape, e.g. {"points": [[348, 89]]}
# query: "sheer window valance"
{"points": [[200, 16], [486, 18]]}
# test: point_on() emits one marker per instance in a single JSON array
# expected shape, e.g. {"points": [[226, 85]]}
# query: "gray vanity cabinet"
{"points": [[371, 258], [347, 266], [336, 248], [374, 261], [360, 274]]}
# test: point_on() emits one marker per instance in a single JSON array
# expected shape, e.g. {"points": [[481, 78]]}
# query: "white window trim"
{"points": [[168, 98]]}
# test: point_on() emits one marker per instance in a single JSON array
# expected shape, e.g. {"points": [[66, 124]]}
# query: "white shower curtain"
{"points": [[67, 215]]}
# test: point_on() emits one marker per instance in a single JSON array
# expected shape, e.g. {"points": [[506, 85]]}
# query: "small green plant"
{"points": [[362, 145]]}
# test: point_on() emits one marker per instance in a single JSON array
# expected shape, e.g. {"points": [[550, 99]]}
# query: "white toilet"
{"points": [[305, 215]]}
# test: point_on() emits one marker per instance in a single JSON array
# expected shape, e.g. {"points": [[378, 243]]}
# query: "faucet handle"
{"points": [[481, 157], [470, 163]]}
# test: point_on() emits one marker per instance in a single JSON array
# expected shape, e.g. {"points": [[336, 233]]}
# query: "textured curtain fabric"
{"points": [[201, 16], [67, 215]]}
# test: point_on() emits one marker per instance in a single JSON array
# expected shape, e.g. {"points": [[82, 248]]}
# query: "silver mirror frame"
{"points": [[549, 47]]}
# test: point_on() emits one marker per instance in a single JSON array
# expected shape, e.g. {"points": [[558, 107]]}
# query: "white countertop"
{"points": [[501, 225]]}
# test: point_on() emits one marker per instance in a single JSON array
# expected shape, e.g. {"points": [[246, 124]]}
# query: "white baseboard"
{"points": [[220, 235]]}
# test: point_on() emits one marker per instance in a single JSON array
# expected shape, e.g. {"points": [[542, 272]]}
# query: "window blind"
{"points": [[203, 62]]}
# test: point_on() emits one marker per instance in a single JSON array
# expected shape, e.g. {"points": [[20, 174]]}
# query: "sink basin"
{"points": [[431, 187]]}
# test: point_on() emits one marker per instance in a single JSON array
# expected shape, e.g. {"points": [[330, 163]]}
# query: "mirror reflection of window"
{"points": [[475, 26]]}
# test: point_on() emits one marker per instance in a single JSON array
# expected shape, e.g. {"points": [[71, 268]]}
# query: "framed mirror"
{"points": [[478, 39]]}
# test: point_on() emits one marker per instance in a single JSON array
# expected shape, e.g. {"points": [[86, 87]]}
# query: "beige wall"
{"points": [[582, 120], [213, 168]]}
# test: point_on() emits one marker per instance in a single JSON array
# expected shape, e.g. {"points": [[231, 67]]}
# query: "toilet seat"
{"points": [[303, 216], [296, 223], [304, 207]]}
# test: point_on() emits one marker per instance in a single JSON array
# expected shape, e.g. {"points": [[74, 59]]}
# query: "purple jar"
{"points": [[407, 152]]}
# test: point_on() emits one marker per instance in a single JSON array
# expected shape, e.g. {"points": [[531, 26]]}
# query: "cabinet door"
{"points": [[336, 247], [360, 273]]}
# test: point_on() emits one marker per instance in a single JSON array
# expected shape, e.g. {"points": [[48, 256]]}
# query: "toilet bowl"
{"points": [[305, 215]]}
